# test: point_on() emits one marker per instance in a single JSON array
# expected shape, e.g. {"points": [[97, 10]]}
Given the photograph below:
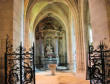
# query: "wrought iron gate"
{"points": [[99, 65], [19, 65]]}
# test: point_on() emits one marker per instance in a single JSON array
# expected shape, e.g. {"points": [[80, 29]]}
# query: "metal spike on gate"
{"points": [[99, 65]]}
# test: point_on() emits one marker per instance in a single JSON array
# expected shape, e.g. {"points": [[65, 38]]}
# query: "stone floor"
{"points": [[59, 78]]}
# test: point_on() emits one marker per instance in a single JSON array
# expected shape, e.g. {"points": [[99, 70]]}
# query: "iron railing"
{"points": [[99, 65], [19, 65]]}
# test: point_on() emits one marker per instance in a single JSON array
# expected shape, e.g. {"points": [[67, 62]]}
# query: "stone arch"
{"points": [[52, 15], [68, 39], [79, 32]]}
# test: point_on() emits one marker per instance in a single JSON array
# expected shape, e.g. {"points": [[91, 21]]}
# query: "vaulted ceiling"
{"points": [[36, 10]]}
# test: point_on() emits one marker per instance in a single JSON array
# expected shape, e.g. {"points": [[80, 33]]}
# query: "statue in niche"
{"points": [[49, 50]]}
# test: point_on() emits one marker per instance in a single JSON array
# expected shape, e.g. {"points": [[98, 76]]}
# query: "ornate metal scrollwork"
{"points": [[19, 65], [13, 76], [28, 74], [99, 67]]}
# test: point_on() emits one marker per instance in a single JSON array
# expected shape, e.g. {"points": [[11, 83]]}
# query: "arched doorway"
{"points": [[50, 39]]}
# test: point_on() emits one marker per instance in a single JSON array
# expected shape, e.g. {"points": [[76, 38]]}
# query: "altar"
{"points": [[47, 61], [50, 57], [50, 44]]}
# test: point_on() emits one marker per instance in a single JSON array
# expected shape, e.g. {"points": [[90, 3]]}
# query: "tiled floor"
{"points": [[59, 78]]}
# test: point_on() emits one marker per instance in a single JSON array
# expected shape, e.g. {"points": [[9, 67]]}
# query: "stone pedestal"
{"points": [[52, 67]]}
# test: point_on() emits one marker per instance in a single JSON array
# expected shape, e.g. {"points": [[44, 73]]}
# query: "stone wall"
{"points": [[18, 22], [11, 23], [6, 27], [99, 21], [108, 15]]}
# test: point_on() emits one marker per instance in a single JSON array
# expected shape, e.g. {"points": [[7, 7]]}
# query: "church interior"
{"points": [[54, 42]]}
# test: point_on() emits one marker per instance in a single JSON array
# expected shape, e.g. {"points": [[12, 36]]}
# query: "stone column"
{"points": [[60, 48], [64, 51], [56, 48], [42, 47], [37, 51], [42, 50], [79, 40], [18, 22]]}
